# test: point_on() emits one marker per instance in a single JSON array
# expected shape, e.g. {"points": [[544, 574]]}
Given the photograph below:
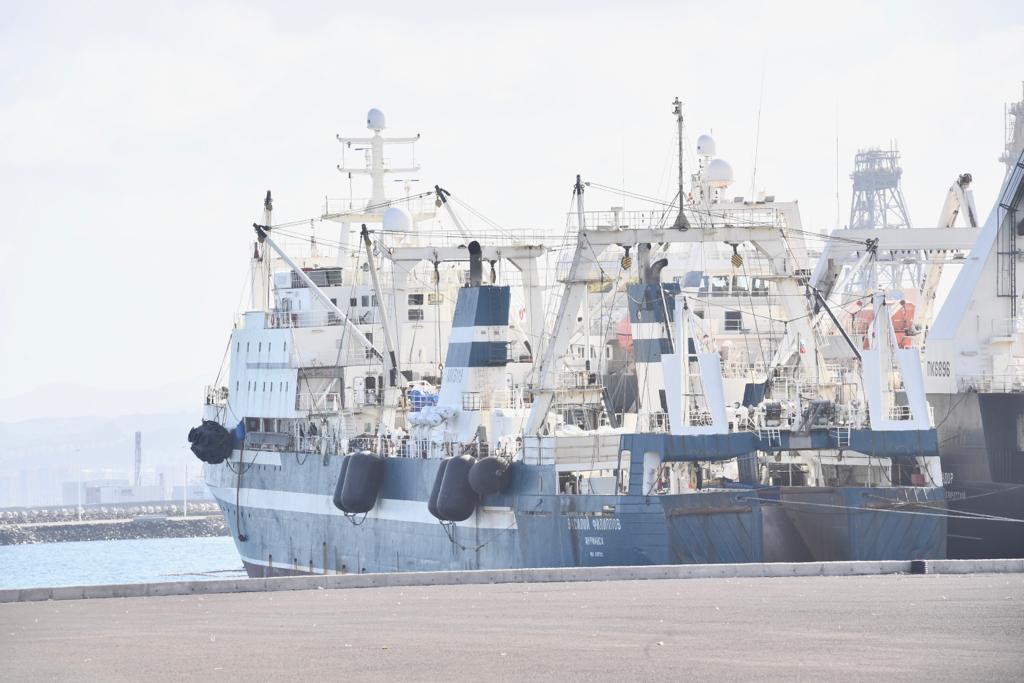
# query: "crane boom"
{"points": [[262, 232]]}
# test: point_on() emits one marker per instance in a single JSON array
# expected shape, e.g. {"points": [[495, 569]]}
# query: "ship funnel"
{"points": [[476, 264], [654, 272]]}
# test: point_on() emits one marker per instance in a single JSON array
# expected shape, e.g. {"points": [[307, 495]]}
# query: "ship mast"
{"points": [[681, 222], [375, 166], [259, 266]]}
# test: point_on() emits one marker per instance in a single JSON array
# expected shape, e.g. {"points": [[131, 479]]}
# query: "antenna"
{"points": [[757, 139], [681, 222], [837, 167]]}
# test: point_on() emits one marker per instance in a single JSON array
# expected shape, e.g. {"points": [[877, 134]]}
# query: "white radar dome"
{"points": [[397, 219], [719, 173], [706, 146], [375, 119]]}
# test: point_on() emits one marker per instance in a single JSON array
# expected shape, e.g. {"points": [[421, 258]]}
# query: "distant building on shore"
{"points": [[108, 491]]}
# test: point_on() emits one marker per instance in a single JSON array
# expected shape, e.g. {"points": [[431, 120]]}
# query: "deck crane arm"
{"points": [[262, 232], [389, 342], [550, 361], [442, 200], [959, 201]]}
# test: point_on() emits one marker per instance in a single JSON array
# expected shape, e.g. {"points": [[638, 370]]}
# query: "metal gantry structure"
{"points": [[877, 196], [877, 203]]}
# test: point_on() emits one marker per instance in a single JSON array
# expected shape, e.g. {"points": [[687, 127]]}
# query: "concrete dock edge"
{"points": [[493, 576]]}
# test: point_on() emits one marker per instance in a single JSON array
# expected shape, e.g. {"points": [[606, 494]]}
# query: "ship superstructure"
{"points": [[974, 367], [970, 346]]}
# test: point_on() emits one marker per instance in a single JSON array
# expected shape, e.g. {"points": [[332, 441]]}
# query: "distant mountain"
{"points": [[99, 442], [73, 400], [61, 433]]}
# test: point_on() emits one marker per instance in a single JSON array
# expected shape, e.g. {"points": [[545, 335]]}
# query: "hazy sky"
{"points": [[139, 138]]}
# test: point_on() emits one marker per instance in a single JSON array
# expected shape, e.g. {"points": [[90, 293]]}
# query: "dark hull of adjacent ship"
{"points": [[980, 439]]}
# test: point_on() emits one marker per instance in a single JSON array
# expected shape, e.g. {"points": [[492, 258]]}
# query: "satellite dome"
{"points": [[719, 173], [375, 119], [706, 146], [397, 219]]}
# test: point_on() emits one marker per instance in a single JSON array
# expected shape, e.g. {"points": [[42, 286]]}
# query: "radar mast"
{"points": [[375, 167]]}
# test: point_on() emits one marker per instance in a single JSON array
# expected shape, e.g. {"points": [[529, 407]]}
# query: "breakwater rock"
{"points": [[113, 529]]}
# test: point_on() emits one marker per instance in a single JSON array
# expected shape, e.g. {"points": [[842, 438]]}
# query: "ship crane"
{"points": [[263, 234], [442, 200], [785, 260], [959, 202]]}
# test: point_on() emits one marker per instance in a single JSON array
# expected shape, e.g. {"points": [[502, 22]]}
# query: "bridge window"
{"points": [[415, 299], [415, 314], [720, 285]]}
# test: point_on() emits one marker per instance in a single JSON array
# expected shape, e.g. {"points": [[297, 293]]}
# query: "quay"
{"points": [[858, 626], [943, 627]]}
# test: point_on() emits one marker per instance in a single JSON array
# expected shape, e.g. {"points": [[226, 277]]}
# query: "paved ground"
{"points": [[932, 628]]}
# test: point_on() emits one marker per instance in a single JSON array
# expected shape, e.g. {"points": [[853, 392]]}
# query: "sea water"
{"points": [[104, 562]]}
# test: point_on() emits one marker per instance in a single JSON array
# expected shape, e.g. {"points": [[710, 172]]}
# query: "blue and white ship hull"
{"points": [[280, 512]]}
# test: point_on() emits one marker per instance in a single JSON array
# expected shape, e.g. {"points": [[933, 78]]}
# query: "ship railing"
{"points": [[753, 372], [216, 396], [281, 319], [658, 423], [577, 379], [847, 417], [717, 214], [990, 383], [1007, 327], [509, 399], [899, 413], [318, 403], [324, 445], [837, 373]]}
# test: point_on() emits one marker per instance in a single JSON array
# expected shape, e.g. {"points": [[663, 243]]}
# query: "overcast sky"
{"points": [[139, 138]]}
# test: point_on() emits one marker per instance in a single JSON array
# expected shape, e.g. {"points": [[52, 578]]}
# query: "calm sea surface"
{"points": [[137, 561]]}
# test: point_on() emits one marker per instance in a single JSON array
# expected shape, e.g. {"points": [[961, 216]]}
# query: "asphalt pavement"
{"points": [[893, 628]]}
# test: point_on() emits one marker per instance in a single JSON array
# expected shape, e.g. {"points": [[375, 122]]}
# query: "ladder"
{"points": [[771, 434], [842, 435], [349, 430]]}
